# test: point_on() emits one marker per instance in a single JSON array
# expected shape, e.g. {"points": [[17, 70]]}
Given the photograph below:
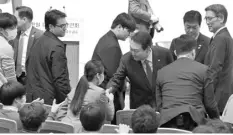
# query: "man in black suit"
{"points": [[192, 23], [183, 96], [220, 55], [47, 71], [108, 51], [140, 65], [26, 37]]}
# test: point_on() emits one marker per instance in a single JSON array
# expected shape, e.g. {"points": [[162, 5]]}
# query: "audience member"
{"points": [[92, 117], [8, 32], [26, 37], [87, 91], [47, 71], [145, 120], [203, 129], [218, 125], [192, 24]]}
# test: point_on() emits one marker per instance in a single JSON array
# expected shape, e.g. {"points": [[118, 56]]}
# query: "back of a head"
{"points": [[24, 11], [33, 115], [204, 129], [7, 21], [184, 44], [11, 91], [143, 38], [192, 16], [218, 125], [92, 117], [125, 20], [145, 120]]}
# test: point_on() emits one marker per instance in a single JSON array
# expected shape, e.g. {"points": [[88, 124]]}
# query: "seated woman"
{"points": [[87, 91], [8, 32]]}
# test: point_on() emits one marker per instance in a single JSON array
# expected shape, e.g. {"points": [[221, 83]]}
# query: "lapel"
{"points": [[155, 66], [199, 44], [139, 70], [30, 41], [220, 32], [16, 44]]}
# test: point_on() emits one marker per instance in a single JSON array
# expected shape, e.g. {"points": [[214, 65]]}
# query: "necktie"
{"points": [[20, 54], [211, 40], [148, 72]]}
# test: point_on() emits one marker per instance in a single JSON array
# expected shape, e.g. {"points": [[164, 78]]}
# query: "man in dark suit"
{"points": [[183, 97], [26, 37], [47, 71], [192, 23], [220, 55], [140, 65], [108, 51]]}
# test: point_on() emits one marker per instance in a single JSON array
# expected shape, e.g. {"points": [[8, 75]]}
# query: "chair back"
{"points": [[227, 115], [50, 126], [172, 130], [108, 128], [124, 116], [8, 126]]}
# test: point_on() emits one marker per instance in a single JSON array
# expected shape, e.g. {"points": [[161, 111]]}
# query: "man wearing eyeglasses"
{"points": [[220, 55], [48, 76], [192, 24]]}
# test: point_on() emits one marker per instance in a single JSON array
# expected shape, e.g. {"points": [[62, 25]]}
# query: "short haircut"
{"points": [[204, 129], [218, 9], [218, 125], [7, 21], [92, 117], [25, 11], [125, 20], [143, 38], [184, 44], [52, 16], [145, 120], [192, 16], [10, 91], [33, 115]]}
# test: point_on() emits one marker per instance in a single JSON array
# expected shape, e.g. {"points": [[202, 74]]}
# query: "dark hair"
{"points": [[204, 129], [52, 16], [145, 120], [125, 20], [24, 11], [218, 9], [92, 117], [7, 21], [143, 38], [91, 68], [185, 43], [10, 91], [33, 115], [192, 16], [218, 125]]}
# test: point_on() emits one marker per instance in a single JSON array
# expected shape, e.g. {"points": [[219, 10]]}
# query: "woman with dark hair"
{"points": [[8, 32], [87, 91]]}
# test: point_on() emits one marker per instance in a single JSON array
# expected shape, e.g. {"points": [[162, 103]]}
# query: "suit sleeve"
{"points": [[209, 100], [169, 57], [217, 61], [172, 49], [60, 73], [158, 94], [136, 11], [8, 68], [118, 79]]}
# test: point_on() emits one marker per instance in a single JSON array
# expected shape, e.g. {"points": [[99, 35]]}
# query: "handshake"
{"points": [[155, 24]]}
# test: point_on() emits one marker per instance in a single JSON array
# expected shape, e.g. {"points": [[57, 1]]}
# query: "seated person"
{"points": [[92, 118], [12, 96], [88, 91], [218, 125], [145, 120], [204, 129], [33, 115]]}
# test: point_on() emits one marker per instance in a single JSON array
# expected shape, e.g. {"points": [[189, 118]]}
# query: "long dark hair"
{"points": [[92, 67]]}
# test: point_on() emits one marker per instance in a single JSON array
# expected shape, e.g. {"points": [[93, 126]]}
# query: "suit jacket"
{"points": [[34, 35], [181, 87], [220, 61], [201, 49], [141, 11], [141, 90], [47, 71], [108, 51]]}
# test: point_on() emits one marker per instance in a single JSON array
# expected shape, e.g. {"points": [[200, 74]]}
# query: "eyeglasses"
{"points": [[62, 26], [209, 18]]}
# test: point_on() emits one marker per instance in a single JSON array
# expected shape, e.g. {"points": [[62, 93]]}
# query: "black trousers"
{"points": [[182, 121]]}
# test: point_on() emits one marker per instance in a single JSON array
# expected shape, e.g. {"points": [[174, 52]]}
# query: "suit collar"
{"points": [[51, 35], [28, 31], [219, 31], [200, 42], [111, 33]]}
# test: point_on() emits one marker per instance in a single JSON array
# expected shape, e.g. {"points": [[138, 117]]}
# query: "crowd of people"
{"points": [[184, 87]]}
